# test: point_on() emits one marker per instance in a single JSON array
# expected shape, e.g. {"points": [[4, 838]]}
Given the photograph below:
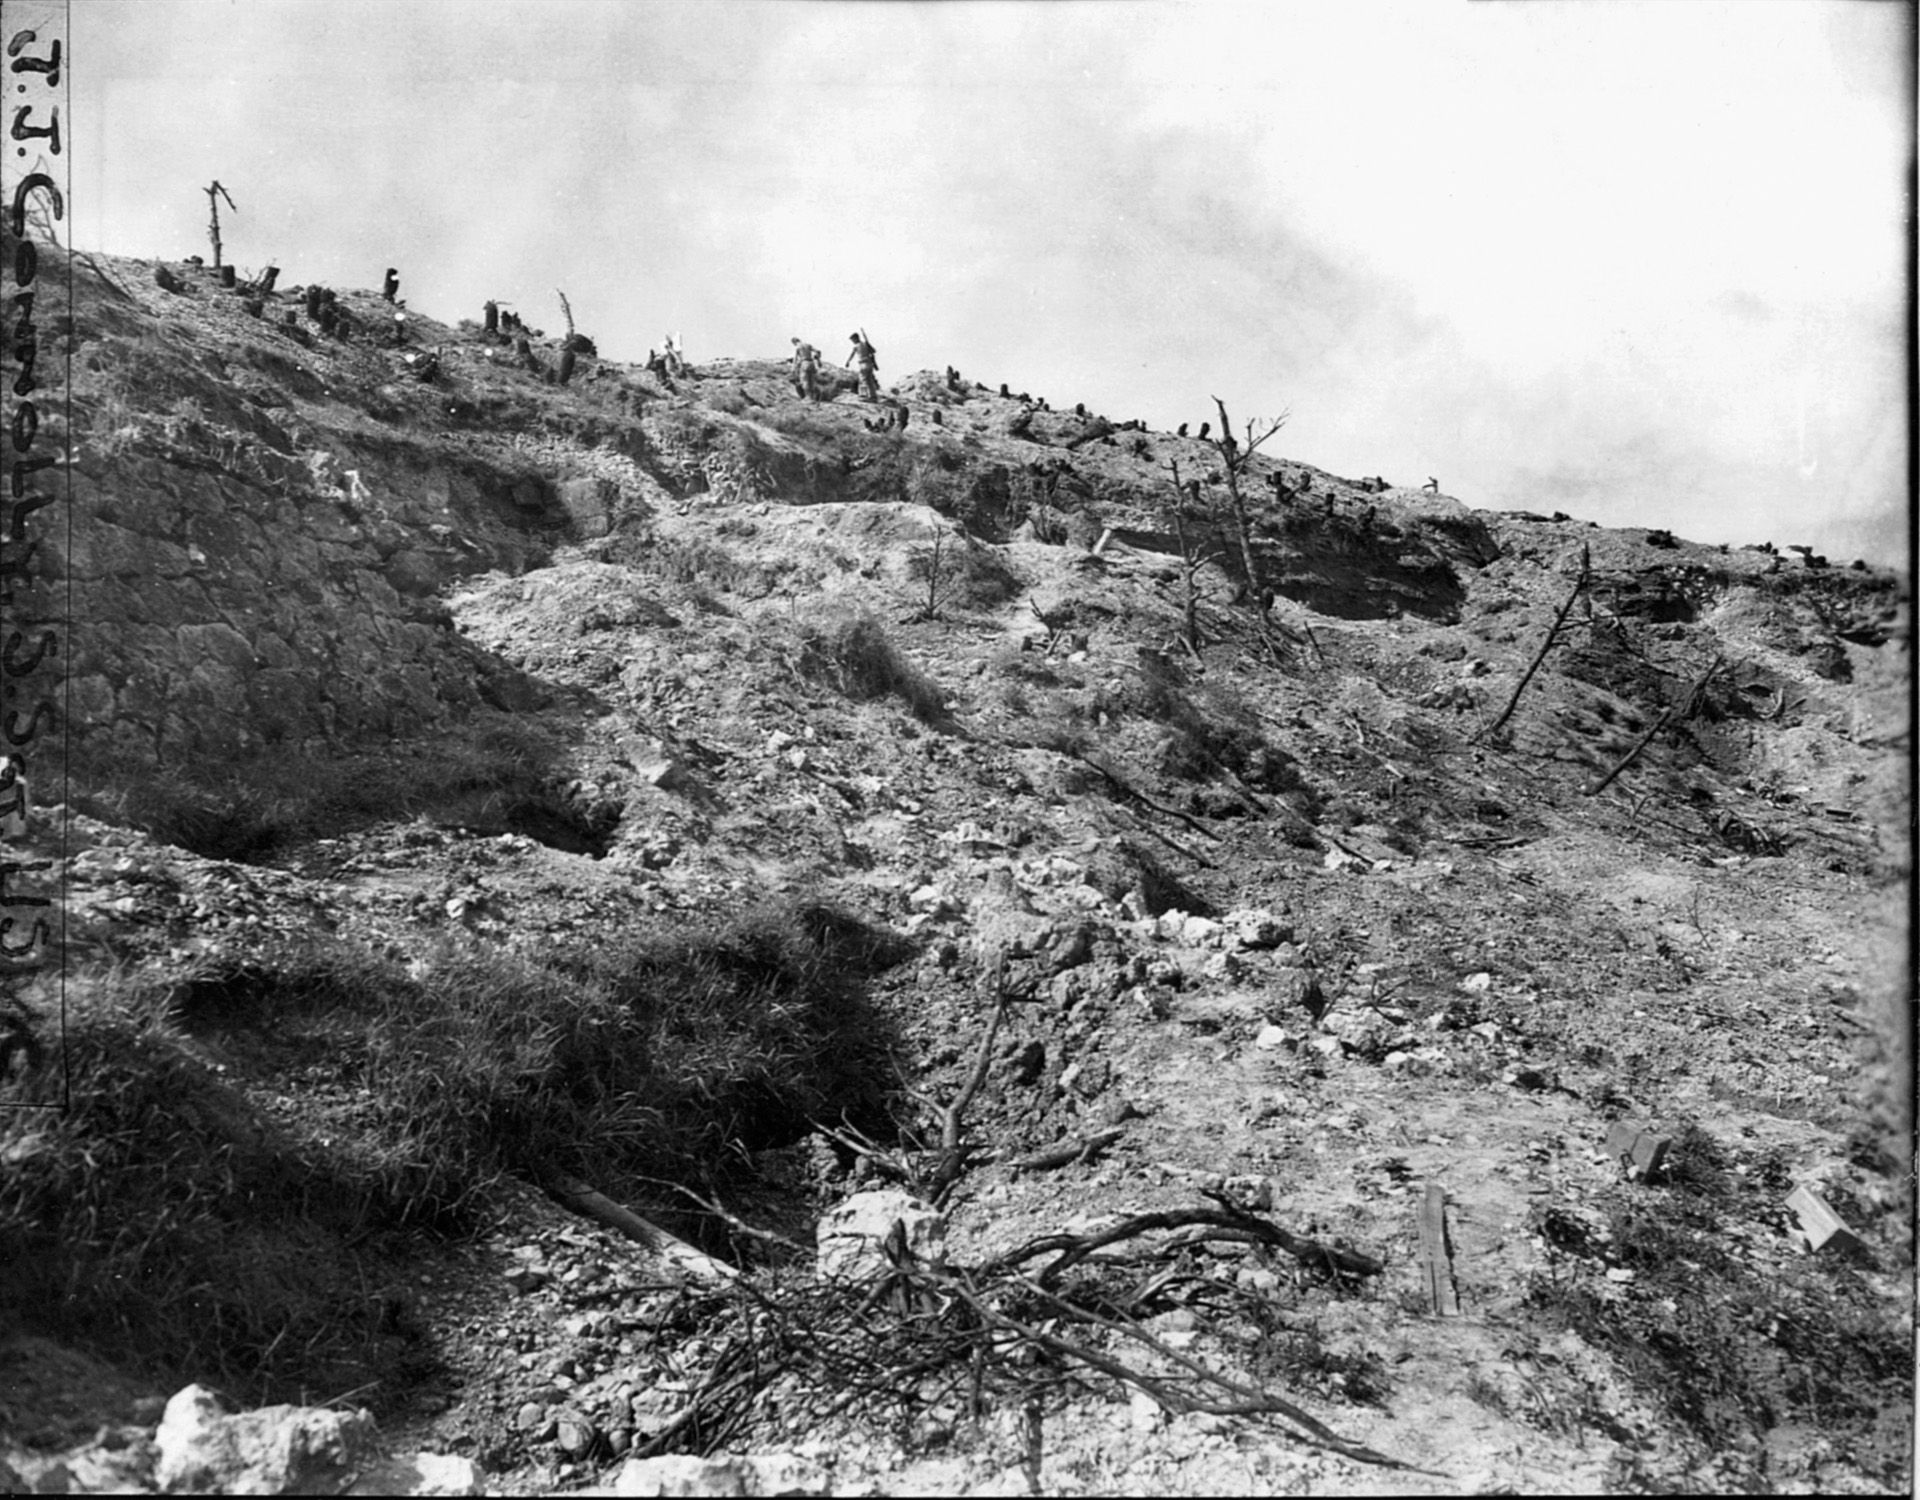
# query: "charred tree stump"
{"points": [[566, 366], [227, 277], [492, 311], [314, 299], [267, 279], [214, 194]]}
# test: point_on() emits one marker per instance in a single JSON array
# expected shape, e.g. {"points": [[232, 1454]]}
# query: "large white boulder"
{"points": [[277, 1450], [851, 1235]]}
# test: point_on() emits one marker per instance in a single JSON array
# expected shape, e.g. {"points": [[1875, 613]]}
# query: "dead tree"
{"points": [[214, 194], [1233, 461], [1194, 556]]}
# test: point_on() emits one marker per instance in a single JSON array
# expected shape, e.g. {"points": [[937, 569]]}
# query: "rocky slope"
{"points": [[455, 673]]}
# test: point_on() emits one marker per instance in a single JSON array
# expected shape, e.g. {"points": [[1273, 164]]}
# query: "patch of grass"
{"points": [[260, 807], [165, 1217], [249, 1147], [1298, 1358], [1732, 1351], [962, 572], [1208, 728], [850, 649]]}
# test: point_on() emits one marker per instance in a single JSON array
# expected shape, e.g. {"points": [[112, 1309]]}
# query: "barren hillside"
{"points": [[1361, 978]]}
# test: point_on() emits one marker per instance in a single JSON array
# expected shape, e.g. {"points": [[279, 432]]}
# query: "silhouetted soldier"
{"points": [[868, 362], [806, 369], [392, 288]]}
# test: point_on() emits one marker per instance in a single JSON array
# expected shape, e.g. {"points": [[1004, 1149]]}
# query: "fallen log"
{"points": [[582, 1199], [1067, 1152], [1130, 793], [1666, 717], [1553, 631]]}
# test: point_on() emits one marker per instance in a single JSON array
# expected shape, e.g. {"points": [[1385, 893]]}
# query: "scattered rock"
{"points": [[722, 1475], [422, 1474], [276, 1450]]}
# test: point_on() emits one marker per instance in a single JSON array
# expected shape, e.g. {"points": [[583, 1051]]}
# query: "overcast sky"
{"points": [[1644, 263]]}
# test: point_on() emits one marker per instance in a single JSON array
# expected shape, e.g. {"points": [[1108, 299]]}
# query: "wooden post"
{"points": [[1436, 1254], [1579, 587]]}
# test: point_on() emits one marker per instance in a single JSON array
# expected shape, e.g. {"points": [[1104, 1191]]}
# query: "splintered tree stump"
{"points": [[1436, 1253], [492, 311], [226, 276], [566, 366], [268, 277], [314, 299]]}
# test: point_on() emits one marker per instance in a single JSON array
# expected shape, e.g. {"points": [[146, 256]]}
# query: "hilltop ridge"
{"points": [[409, 702]]}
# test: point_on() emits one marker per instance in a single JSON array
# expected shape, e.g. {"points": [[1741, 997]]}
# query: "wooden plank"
{"points": [[1822, 1226], [1639, 1151], [1650, 1152], [1436, 1254]]}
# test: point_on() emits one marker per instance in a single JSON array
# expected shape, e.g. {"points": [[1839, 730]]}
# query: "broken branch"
{"points": [[1553, 630], [1666, 716]]}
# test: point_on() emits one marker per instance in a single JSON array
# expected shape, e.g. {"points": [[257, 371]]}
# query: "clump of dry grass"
{"points": [[250, 1149], [850, 649]]}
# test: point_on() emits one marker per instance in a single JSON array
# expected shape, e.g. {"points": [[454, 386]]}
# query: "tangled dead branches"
{"points": [[921, 1345]]}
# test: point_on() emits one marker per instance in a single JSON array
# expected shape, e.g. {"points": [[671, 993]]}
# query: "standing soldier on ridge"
{"points": [[806, 370], [868, 362]]}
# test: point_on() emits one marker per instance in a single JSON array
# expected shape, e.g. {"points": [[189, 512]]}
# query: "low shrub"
{"points": [[964, 573], [851, 650], [1733, 1352], [279, 799]]}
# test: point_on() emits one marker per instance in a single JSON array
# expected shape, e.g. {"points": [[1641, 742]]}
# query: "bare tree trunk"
{"points": [[1553, 630]]}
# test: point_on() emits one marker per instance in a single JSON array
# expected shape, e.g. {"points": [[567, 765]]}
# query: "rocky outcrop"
{"points": [[291, 1450], [219, 613]]}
